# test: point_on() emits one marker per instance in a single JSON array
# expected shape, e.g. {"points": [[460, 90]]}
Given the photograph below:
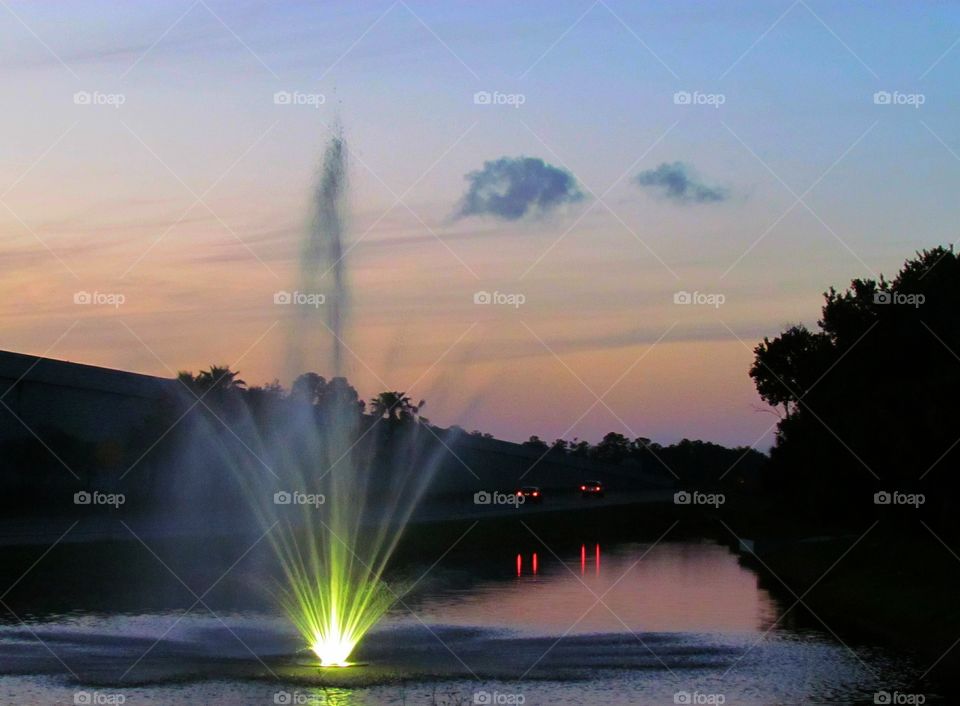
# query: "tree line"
{"points": [[224, 387]]}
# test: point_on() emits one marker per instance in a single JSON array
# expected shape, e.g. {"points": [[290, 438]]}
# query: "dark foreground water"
{"points": [[497, 623]]}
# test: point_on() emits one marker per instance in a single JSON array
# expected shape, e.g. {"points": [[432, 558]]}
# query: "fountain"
{"points": [[332, 488]]}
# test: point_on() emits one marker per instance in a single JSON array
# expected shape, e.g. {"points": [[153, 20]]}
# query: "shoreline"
{"points": [[888, 589]]}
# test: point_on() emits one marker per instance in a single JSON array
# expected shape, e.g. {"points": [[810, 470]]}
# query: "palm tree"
{"points": [[218, 377], [396, 407]]}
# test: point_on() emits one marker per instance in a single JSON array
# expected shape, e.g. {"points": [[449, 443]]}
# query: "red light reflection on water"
{"points": [[583, 559], [669, 587], [534, 564], [535, 561]]}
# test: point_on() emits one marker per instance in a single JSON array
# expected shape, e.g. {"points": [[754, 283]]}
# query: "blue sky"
{"points": [[105, 197]]}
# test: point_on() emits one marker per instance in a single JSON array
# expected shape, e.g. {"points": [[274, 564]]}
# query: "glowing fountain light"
{"points": [[330, 595], [332, 553]]}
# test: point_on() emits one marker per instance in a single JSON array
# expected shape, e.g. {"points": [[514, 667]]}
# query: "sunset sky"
{"points": [[144, 154]]}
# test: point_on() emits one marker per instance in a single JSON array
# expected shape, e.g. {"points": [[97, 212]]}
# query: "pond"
{"points": [[560, 620]]}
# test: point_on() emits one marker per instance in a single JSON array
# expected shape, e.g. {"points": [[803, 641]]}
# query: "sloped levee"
{"points": [[88, 402]]}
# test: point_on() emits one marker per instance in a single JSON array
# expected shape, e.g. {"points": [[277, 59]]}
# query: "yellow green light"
{"points": [[330, 594]]}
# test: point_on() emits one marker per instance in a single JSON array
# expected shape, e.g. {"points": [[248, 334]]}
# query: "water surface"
{"points": [[565, 622]]}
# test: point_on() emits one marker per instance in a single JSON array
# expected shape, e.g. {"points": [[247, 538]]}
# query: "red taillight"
{"points": [[583, 487], [535, 493]]}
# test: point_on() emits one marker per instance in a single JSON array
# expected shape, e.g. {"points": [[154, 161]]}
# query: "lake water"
{"points": [[565, 621]]}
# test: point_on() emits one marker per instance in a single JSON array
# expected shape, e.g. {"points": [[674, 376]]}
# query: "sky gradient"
{"points": [[184, 185]]}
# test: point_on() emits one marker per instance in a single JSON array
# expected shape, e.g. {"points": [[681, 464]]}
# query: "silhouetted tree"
{"points": [[395, 407], [340, 394], [613, 448], [332, 396], [536, 443], [219, 378], [309, 387], [785, 368], [870, 400], [218, 389]]}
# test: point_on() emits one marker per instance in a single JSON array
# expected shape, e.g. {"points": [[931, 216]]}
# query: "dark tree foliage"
{"points": [[869, 400], [613, 448], [536, 443], [396, 407], [700, 465], [703, 465]]}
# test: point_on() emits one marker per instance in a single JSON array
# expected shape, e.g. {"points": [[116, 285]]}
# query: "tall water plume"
{"points": [[331, 487]]}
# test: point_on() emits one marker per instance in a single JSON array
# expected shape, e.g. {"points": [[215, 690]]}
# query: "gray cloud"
{"points": [[680, 183], [511, 188]]}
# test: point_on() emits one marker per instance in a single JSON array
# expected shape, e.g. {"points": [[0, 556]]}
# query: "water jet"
{"points": [[369, 472]]}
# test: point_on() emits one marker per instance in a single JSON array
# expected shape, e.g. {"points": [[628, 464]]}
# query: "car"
{"points": [[592, 489], [530, 494]]}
